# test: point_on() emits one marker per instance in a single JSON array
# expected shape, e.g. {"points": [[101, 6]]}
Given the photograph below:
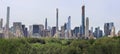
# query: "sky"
{"points": [[35, 11]]}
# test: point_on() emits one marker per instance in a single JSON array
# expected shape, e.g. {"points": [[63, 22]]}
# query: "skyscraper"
{"points": [[83, 20], [57, 20], [45, 32], [87, 28], [76, 31], [1, 23], [8, 16], [1, 28], [69, 23], [57, 33], [25, 31], [7, 23], [69, 27], [18, 30], [91, 30], [65, 26], [46, 24], [98, 32], [108, 28], [118, 34], [53, 31], [36, 30], [113, 31]]}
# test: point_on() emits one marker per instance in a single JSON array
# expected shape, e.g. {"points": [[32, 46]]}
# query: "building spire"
{"points": [[83, 2]]}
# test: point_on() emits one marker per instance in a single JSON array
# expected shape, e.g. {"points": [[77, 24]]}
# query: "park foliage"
{"points": [[103, 45]]}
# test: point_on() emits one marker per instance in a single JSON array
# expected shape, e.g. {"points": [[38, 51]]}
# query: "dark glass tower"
{"points": [[83, 20], [108, 28]]}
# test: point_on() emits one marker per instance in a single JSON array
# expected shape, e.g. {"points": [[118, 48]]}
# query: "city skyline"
{"points": [[38, 14]]}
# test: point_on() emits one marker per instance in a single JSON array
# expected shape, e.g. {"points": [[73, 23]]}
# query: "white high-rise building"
{"points": [[69, 27], [18, 30], [87, 28], [113, 31]]}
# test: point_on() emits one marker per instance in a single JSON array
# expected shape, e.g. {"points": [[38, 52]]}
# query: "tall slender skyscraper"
{"points": [[69, 27], [69, 23], [83, 20], [7, 22], [57, 20], [8, 16], [87, 28], [1, 23], [57, 34], [46, 24]]}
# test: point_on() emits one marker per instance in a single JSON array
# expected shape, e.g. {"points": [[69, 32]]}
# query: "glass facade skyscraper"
{"points": [[108, 28], [83, 20]]}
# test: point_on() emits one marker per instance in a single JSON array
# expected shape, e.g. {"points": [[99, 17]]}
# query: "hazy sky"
{"points": [[35, 11]]}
